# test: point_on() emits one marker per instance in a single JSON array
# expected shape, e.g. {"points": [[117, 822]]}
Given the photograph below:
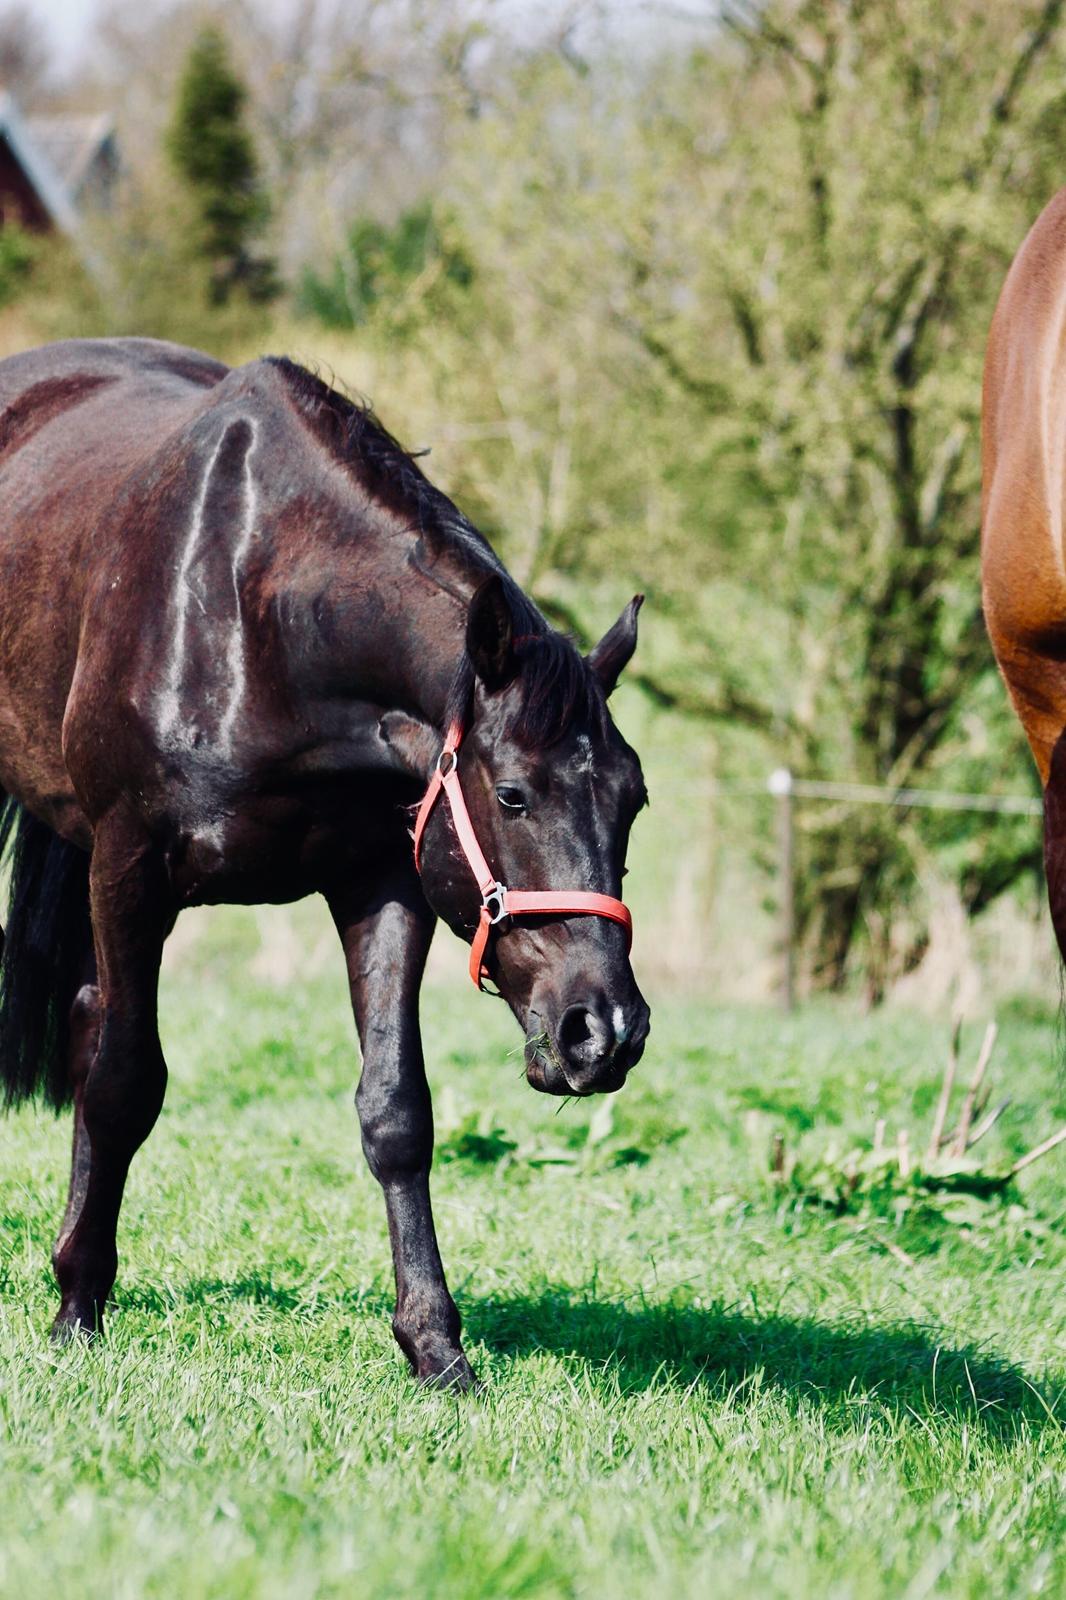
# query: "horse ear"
{"points": [[413, 745], [490, 635], [617, 645]]}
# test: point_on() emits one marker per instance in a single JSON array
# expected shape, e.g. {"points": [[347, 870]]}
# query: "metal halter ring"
{"points": [[496, 896], [441, 768]]}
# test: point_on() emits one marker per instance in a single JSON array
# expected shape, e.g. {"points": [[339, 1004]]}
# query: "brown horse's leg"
{"points": [[118, 1069], [1055, 841], [385, 945]]}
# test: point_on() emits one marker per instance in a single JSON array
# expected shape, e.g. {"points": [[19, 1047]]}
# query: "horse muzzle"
{"points": [[591, 1051]]}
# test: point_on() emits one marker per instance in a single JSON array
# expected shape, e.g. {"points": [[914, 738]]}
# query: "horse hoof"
{"points": [[458, 1377], [69, 1327]]}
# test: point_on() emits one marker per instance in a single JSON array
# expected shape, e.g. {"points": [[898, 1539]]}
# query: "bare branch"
{"points": [[730, 705], [945, 1092], [1031, 45], [744, 315], [962, 1132], [989, 1122], [1038, 1151], [936, 489], [715, 396]]}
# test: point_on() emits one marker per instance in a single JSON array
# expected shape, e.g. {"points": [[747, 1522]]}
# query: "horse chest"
{"points": [[275, 848]]}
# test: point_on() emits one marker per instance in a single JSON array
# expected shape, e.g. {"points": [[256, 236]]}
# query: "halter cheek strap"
{"points": [[497, 901]]}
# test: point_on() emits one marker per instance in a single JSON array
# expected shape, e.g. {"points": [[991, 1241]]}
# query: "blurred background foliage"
{"points": [[686, 300]]}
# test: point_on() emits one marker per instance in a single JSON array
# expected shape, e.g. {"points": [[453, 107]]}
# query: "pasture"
{"points": [[693, 1383], [693, 303]]}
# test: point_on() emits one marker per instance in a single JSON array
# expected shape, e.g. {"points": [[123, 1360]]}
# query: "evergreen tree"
{"points": [[214, 155]]}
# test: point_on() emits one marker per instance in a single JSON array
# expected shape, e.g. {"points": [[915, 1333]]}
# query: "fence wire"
{"points": [[782, 782]]}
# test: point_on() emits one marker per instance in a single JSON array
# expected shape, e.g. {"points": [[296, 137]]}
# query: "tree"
{"points": [[727, 333], [902, 152], [213, 154]]}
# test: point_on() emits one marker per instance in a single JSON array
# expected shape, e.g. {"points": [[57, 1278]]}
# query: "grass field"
{"points": [[692, 1385]]}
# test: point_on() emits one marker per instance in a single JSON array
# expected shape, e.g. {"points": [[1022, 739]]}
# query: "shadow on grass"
{"points": [[851, 1371], [842, 1368], [257, 1288]]}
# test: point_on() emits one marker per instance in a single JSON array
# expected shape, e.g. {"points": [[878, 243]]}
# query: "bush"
{"points": [[19, 252], [379, 263]]}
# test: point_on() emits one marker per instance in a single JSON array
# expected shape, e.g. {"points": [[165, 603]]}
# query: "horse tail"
{"points": [[46, 941]]}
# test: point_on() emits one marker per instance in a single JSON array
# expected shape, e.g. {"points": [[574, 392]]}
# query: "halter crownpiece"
{"points": [[497, 900]]}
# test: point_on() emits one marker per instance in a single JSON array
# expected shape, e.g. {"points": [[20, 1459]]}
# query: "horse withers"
{"points": [[241, 637], [1023, 523]]}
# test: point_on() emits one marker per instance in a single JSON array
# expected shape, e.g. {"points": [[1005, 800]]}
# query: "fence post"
{"points": [[779, 784]]}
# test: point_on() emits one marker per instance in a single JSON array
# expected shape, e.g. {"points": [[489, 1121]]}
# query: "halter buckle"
{"points": [[494, 901]]}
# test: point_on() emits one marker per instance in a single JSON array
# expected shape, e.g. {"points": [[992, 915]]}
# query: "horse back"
{"points": [[195, 583], [1024, 482]]}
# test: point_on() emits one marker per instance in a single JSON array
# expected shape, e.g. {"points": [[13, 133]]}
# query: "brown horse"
{"points": [[236, 621], [1023, 530]]}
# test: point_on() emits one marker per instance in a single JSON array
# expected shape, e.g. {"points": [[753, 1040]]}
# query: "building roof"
{"points": [[51, 191], [70, 144]]}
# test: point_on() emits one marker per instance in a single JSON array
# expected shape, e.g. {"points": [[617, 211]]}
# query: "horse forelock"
{"points": [[557, 690], [553, 692]]}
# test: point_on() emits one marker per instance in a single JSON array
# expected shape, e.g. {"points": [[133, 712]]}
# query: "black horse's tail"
{"points": [[43, 952]]}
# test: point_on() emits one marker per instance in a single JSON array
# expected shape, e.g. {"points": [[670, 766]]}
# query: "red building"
{"points": [[53, 170]]}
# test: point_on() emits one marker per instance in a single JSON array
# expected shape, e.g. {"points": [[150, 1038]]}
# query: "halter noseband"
{"points": [[497, 901]]}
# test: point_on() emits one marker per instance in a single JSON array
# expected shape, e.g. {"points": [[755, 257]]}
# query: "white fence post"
{"points": [[781, 787]]}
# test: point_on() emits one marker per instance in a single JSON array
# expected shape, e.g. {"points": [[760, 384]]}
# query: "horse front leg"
{"points": [[118, 1074], [386, 941]]}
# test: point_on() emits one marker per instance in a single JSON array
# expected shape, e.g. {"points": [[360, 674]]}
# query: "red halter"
{"points": [[497, 901]]}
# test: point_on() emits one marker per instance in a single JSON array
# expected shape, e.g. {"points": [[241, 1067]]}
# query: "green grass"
{"points": [[692, 1386]]}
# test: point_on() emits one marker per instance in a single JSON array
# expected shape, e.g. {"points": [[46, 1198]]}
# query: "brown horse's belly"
{"points": [[1024, 594], [1024, 492]]}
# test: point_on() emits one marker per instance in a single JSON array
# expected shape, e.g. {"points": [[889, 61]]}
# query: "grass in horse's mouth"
{"points": [[539, 1044], [543, 1042]]}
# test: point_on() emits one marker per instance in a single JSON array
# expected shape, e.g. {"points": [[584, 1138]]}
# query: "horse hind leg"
{"points": [[118, 1071], [1055, 841], [84, 1042]]}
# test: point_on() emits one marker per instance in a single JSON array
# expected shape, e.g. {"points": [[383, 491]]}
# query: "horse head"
{"points": [[551, 789]]}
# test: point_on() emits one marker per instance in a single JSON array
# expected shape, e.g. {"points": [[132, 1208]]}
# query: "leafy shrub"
{"points": [[477, 1138], [19, 253], [379, 263]]}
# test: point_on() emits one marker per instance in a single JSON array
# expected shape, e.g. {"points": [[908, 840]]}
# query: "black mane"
{"points": [[557, 687], [360, 441]]}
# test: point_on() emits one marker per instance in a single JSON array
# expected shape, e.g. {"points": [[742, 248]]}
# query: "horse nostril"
{"points": [[583, 1036]]}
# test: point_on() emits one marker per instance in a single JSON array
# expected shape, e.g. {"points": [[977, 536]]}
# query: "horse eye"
{"points": [[510, 798]]}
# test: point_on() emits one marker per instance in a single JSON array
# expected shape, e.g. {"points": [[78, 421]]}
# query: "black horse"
{"points": [[236, 621]]}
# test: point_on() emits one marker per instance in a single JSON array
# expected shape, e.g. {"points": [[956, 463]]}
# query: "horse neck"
{"points": [[395, 622]]}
